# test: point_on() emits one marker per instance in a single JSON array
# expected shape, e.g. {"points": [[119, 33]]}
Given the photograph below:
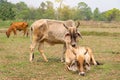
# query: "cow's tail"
{"points": [[31, 32]]}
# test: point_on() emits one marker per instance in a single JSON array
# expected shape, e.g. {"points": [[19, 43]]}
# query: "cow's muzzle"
{"points": [[73, 44], [82, 73]]}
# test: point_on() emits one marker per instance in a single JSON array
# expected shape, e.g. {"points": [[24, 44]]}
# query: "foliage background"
{"points": [[20, 11]]}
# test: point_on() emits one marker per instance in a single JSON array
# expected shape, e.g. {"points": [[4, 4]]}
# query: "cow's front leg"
{"points": [[87, 66], [14, 31], [63, 54], [40, 48]]}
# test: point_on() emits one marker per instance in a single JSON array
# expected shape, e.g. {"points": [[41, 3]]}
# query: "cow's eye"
{"points": [[77, 34], [67, 34]]}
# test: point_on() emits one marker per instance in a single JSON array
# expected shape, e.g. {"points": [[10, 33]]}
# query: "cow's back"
{"points": [[54, 30], [20, 25]]}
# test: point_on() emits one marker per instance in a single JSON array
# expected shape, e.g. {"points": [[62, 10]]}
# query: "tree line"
{"points": [[20, 11]]}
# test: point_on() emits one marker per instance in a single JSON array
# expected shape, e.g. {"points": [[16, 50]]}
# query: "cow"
{"points": [[85, 58], [79, 59], [52, 32], [20, 26]]}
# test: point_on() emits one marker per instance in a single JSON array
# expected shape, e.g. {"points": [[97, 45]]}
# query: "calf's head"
{"points": [[72, 34]]}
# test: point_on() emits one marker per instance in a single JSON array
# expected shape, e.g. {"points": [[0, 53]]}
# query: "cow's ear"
{"points": [[67, 34], [86, 52], [79, 34], [78, 24], [67, 37], [65, 26]]}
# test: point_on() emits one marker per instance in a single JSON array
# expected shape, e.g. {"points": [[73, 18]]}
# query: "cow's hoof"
{"points": [[62, 60], [46, 60]]}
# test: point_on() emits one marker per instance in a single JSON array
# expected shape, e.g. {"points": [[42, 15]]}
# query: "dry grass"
{"points": [[15, 65], [110, 30], [100, 24]]}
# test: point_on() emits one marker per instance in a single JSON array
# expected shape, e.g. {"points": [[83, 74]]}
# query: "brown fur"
{"points": [[20, 26], [85, 58], [78, 58]]}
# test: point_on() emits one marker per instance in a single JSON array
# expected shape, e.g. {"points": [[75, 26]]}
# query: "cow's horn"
{"points": [[78, 24], [65, 26]]}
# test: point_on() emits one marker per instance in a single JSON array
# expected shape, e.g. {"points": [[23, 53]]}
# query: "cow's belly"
{"points": [[54, 41], [55, 38]]}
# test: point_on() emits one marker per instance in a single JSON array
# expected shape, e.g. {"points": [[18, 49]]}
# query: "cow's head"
{"points": [[80, 62], [72, 34], [7, 34]]}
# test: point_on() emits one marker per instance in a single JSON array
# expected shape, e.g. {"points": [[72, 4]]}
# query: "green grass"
{"points": [[5, 24], [15, 65]]}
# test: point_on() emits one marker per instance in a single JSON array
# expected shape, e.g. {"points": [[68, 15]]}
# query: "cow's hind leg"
{"points": [[32, 47], [40, 48], [93, 60], [25, 32]]}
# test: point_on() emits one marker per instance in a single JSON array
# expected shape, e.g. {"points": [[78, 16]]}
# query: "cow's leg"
{"points": [[32, 47], [14, 31], [87, 66], [25, 32], [93, 60], [63, 54], [40, 48]]}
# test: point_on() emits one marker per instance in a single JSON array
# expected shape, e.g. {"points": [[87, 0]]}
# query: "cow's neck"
{"points": [[9, 30]]}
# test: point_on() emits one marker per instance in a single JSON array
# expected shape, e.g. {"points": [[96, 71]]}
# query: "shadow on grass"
{"points": [[49, 60]]}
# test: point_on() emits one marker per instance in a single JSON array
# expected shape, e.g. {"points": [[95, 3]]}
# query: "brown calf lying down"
{"points": [[78, 58], [21, 26]]}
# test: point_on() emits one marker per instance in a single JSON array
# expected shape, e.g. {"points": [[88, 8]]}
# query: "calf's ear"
{"points": [[86, 52]]}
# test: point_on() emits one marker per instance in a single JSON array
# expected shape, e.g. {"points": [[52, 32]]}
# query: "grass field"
{"points": [[15, 65]]}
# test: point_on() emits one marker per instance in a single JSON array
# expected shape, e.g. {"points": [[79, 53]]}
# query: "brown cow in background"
{"points": [[21, 26]]}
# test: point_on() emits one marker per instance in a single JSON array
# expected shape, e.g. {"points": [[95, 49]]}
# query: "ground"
{"points": [[15, 65]]}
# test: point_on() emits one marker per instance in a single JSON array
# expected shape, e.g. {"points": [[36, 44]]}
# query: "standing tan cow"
{"points": [[21, 26], [52, 32]]}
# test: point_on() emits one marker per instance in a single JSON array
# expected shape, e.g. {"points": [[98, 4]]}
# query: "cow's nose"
{"points": [[82, 73], [73, 44]]}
